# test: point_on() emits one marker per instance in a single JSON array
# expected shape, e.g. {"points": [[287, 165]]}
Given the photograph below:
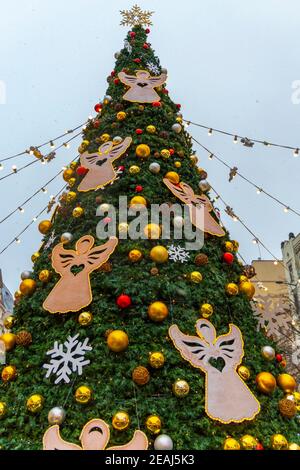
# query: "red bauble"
{"points": [[146, 46], [116, 81], [147, 31], [178, 106], [81, 170], [172, 151], [121, 168], [96, 123], [123, 301], [137, 60], [279, 357], [98, 107], [259, 447], [156, 104], [138, 188], [132, 34], [139, 131], [228, 258], [165, 91]]}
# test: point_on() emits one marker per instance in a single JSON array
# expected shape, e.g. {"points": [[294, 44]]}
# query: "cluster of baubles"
{"points": [[248, 442]]}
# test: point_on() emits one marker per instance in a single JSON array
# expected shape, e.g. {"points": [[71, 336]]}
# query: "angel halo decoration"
{"points": [[141, 86], [94, 436], [199, 208], [99, 164], [73, 291], [227, 397]]}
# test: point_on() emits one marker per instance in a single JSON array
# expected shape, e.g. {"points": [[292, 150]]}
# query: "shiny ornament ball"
{"points": [[244, 372], [117, 140], [177, 128], [56, 415], [156, 359], [98, 107], [123, 301], [279, 442], [27, 287], [104, 207], [231, 444], [73, 165], [121, 115], [104, 137], [163, 442], [177, 164], [138, 201], [228, 258], [287, 408], [83, 394], [85, 318], [107, 99], [66, 237], [151, 129], [139, 188], [35, 403], [266, 382], [44, 275], [135, 256], [81, 171], [140, 375], [142, 151], [206, 310], [153, 424], [152, 231], [26, 275], [287, 383], [121, 420], [67, 174], [178, 221], [9, 373], [293, 446], [228, 246], [9, 321], [117, 54], [247, 288], [173, 177], [9, 340], [18, 294], [165, 153], [296, 396], [195, 277], [123, 227], [139, 131], [180, 388], [279, 357], [268, 353], [71, 196], [248, 442], [3, 409], [71, 182], [78, 212], [117, 341], [45, 226], [159, 254], [231, 288], [154, 168], [243, 278], [134, 169], [158, 311], [204, 186], [194, 160], [201, 259]]}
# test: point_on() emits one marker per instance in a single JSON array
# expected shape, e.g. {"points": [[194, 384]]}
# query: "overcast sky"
{"points": [[231, 65]]}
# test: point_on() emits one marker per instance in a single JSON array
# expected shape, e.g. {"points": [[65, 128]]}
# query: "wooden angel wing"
{"points": [[52, 440], [178, 191], [89, 160], [231, 346], [138, 442], [158, 80], [206, 330], [100, 254], [62, 259], [117, 150], [95, 435], [129, 80], [193, 349]]}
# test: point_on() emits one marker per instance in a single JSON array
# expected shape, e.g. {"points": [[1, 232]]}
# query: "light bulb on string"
{"points": [[34, 219], [234, 218], [52, 146], [296, 153], [211, 156], [1, 167], [254, 241], [21, 210], [259, 190], [14, 168], [235, 139], [275, 262], [17, 240], [286, 209], [67, 145], [210, 131], [43, 161], [44, 190]]}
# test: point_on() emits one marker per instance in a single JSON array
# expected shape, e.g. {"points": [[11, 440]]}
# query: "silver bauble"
{"points": [[107, 98], [154, 167], [117, 54], [177, 128], [104, 207], [204, 186], [26, 275], [164, 70], [178, 221], [66, 237], [117, 139], [268, 353], [56, 415], [163, 442]]}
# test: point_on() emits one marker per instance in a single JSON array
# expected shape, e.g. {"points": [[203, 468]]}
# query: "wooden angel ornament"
{"points": [[141, 86], [100, 165], [227, 397], [73, 291], [94, 436], [199, 208]]}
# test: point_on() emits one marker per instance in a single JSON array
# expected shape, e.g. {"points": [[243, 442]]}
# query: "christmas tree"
{"points": [[150, 341]]}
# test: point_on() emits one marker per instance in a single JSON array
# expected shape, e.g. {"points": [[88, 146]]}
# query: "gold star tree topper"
{"points": [[136, 16]]}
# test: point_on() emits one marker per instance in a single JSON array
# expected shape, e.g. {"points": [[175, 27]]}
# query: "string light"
{"points": [[44, 190], [211, 156], [1, 167], [259, 190], [17, 240], [286, 209], [235, 139], [21, 210], [34, 219], [296, 153], [210, 131], [14, 168], [67, 145]]}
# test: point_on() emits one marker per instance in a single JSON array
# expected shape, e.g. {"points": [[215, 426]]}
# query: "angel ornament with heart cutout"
{"points": [[141, 86], [100, 165], [227, 397], [73, 291]]}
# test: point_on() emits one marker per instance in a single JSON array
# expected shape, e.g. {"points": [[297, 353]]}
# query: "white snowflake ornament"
{"points": [[177, 253], [67, 358], [128, 46], [153, 68]]}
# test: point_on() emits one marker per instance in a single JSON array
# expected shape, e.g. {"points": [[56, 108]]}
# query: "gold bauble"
{"points": [[3, 409], [8, 373], [104, 137], [244, 372], [142, 151], [134, 169], [121, 115], [158, 311], [294, 446], [248, 442], [67, 174], [73, 165], [247, 288], [77, 212], [156, 359], [27, 287], [235, 245], [296, 396], [81, 149], [140, 375], [35, 403], [287, 408], [266, 382], [123, 227], [243, 278], [232, 288], [138, 200], [206, 310], [151, 129], [159, 254], [45, 226], [35, 256], [173, 177], [117, 340], [286, 382], [121, 420], [152, 231], [180, 388], [177, 164], [71, 182], [85, 318], [195, 277], [9, 321], [18, 294], [85, 143], [279, 442], [135, 255], [44, 275], [153, 424], [71, 196], [231, 444], [9, 340], [165, 153], [83, 394], [193, 159], [228, 246]]}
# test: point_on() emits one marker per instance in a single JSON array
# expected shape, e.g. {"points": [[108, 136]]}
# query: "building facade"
{"points": [[291, 258]]}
